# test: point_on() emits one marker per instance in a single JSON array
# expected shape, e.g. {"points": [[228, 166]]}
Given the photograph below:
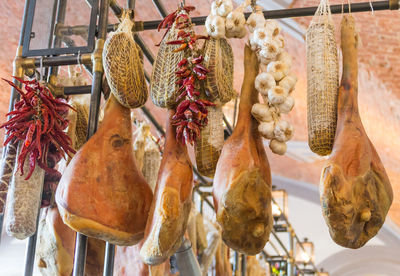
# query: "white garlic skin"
{"points": [[260, 35], [280, 40], [285, 57], [278, 69], [255, 20], [277, 147], [266, 129], [214, 8], [253, 44], [283, 131], [277, 95], [287, 105], [215, 26], [225, 8], [273, 27], [289, 82], [235, 19], [264, 82], [261, 112], [269, 49]]}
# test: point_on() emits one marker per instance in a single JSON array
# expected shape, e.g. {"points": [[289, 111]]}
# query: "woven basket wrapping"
{"points": [[163, 89], [322, 81], [209, 145], [123, 66], [151, 163], [78, 122], [218, 58]]}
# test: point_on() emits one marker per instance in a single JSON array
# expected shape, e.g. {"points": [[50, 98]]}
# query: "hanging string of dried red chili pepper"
{"points": [[38, 121], [191, 112]]}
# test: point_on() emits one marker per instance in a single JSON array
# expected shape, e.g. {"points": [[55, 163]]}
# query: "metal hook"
{"points": [[41, 69]]}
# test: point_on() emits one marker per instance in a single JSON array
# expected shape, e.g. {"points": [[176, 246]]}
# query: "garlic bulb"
{"points": [[277, 147], [266, 129], [253, 44], [239, 32], [264, 82], [278, 69], [280, 40], [273, 27], [285, 58], [287, 105], [288, 83], [276, 95], [260, 34], [255, 20], [235, 20], [269, 49], [215, 26], [221, 8], [283, 131], [261, 112]]}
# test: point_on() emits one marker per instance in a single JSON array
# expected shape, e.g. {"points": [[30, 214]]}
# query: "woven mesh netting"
{"points": [[218, 58], [163, 89], [123, 66], [322, 81], [209, 145], [151, 163]]}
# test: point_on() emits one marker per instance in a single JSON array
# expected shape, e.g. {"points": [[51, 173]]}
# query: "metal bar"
{"points": [[146, 50], [280, 243], [288, 13], [81, 240], [227, 124], [131, 4], [109, 260], [19, 72], [236, 264], [77, 90], [31, 248], [117, 10], [52, 23], [60, 18], [243, 264], [153, 120], [161, 9]]}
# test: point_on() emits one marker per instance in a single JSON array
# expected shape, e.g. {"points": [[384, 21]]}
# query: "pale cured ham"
{"points": [[172, 202], [355, 190], [102, 194], [242, 183]]}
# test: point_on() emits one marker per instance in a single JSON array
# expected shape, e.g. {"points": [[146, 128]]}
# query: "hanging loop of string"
{"points": [[253, 5], [372, 7], [349, 4]]}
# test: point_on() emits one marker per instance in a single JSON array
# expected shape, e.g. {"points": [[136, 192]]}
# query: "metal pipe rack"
{"points": [[24, 65]]}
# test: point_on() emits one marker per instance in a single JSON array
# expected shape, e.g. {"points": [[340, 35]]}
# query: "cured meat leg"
{"points": [[101, 193], [242, 183], [55, 250], [355, 190], [171, 207]]}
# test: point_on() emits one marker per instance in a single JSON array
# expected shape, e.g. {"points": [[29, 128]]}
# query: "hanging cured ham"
{"points": [[355, 190], [56, 244], [242, 183], [172, 201], [102, 194]]}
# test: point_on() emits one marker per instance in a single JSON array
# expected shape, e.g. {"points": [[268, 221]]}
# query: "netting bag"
{"points": [[218, 58], [123, 66], [151, 163], [322, 81], [208, 147], [163, 87]]}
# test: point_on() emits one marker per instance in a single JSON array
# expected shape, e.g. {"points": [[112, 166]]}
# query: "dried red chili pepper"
{"points": [[38, 121]]}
